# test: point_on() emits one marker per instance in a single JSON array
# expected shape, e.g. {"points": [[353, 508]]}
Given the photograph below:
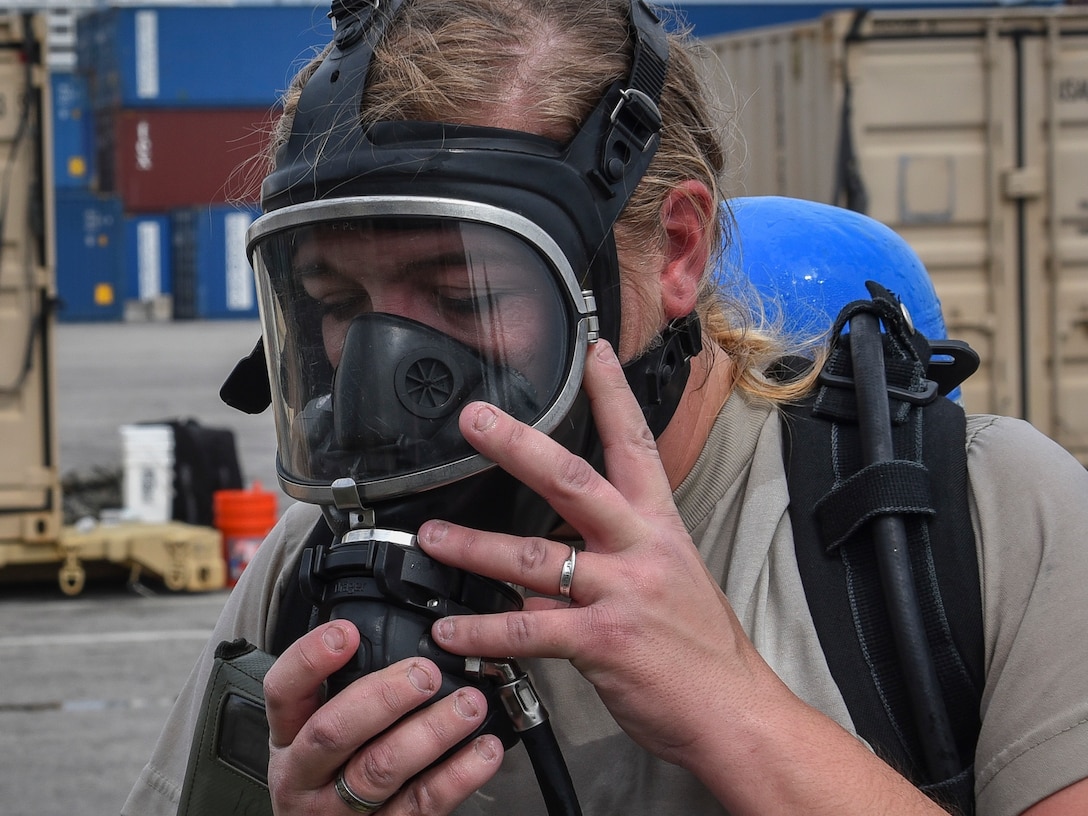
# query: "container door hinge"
{"points": [[1023, 182]]}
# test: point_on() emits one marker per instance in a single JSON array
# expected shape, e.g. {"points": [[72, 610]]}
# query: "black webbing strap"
{"points": [[296, 613], [832, 500], [884, 488]]}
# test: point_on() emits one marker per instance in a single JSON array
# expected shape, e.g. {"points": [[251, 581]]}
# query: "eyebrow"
{"points": [[435, 262]]}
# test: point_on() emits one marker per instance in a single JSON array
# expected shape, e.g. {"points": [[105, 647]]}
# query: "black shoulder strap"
{"points": [[295, 616], [835, 498]]}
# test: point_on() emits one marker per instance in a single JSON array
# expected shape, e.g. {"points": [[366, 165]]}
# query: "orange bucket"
{"points": [[244, 517]]}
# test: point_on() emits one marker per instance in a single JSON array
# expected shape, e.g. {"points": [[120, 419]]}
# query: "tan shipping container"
{"points": [[966, 132], [30, 505]]}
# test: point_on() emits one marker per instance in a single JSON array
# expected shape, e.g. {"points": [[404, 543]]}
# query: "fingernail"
{"points": [[605, 352], [465, 704], [485, 748], [443, 630], [433, 531], [484, 419], [420, 678], [334, 638]]}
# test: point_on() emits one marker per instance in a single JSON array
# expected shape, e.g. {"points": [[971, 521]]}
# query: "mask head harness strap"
{"points": [[659, 376], [634, 122], [327, 146], [326, 126]]}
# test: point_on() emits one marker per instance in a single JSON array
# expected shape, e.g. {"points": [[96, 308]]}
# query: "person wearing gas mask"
{"points": [[495, 352]]}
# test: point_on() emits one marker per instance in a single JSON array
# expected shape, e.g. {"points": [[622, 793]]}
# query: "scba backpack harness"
{"points": [[877, 474], [876, 465]]}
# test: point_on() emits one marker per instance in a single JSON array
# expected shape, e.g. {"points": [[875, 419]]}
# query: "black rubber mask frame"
{"points": [[531, 332], [573, 192]]}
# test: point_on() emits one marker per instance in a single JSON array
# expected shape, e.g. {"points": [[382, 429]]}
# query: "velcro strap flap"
{"points": [[898, 488]]}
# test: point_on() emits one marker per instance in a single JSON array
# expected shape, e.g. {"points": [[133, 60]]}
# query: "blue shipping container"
{"points": [[148, 273], [245, 55], [212, 276], [710, 18], [196, 56], [73, 131], [90, 267]]}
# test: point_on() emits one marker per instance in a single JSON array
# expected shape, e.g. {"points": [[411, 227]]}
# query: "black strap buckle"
{"points": [[923, 397], [635, 121], [637, 117]]}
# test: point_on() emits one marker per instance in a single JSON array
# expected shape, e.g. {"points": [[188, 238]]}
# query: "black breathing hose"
{"points": [[551, 771], [893, 557], [529, 718]]}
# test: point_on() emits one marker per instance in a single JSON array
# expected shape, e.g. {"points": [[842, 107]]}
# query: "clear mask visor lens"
{"points": [[380, 329]]}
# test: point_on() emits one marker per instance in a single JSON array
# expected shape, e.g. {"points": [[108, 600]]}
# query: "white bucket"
{"points": [[148, 474]]}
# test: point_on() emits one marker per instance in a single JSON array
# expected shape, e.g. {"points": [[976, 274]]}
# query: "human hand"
{"points": [[647, 624], [373, 730]]}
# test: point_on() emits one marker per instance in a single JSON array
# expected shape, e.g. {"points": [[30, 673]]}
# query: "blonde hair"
{"points": [[550, 61]]}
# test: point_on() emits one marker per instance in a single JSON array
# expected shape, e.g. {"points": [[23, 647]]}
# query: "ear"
{"points": [[686, 215]]}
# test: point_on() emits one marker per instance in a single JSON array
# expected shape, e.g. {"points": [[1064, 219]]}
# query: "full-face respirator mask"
{"points": [[407, 268]]}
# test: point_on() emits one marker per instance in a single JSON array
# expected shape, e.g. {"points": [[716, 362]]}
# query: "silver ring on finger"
{"points": [[354, 800], [566, 577]]}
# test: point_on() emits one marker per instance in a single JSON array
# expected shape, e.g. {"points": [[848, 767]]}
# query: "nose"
{"points": [[403, 301]]}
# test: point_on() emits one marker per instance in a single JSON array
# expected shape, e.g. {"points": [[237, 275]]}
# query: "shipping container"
{"points": [[73, 131], [196, 56], [713, 17], [212, 276], [27, 171], [148, 270], [966, 132], [89, 256], [29, 489], [159, 159]]}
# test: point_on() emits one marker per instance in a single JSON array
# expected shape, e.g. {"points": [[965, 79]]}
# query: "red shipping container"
{"points": [[160, 159]]}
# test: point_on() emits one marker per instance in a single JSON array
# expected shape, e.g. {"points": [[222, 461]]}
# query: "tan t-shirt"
{"points": [[1029, 501]]}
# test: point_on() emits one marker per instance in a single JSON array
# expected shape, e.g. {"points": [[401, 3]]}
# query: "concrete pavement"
{"points": [[86, 682], [85, 686]]}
